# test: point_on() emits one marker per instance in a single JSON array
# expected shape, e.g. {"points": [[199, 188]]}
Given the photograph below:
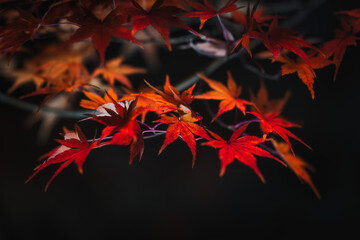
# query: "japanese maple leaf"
{"points": [[119, 119], [15, 34], [159, 16], [54, 70], [352, 18], [96, 101], [28, 74], [296, 164], [207, 10], [149, 101], [262, 102], [67, 83], [336, 48], [244, 19], [250, 22], [228, 96], [115, 70], [241, 148], [181, 127], [74, 148], [303, 70], [274, 123], [278, 38], [100, 31], [172, 99]]}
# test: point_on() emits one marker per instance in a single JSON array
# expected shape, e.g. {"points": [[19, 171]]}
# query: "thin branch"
{"points": [[43, 111]]}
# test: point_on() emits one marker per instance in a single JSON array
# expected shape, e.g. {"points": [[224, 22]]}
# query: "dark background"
{"points": [[163, 197]]}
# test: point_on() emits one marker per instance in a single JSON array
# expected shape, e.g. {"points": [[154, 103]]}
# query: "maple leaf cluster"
{"points": [[107, 90]]}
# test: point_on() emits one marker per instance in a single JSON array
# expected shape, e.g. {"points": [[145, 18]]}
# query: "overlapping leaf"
{"points": [[74, 148], [171, 100], [119, 119]]}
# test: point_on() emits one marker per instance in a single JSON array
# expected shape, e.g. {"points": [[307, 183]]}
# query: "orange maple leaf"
{"points": [[56, 86], [28, 74], [262, 102], [182, 127], [149, 101], [242, 148], [303, 70], [115, 70], [296, 164], [229, 95], [96, 101], [172, 100]]}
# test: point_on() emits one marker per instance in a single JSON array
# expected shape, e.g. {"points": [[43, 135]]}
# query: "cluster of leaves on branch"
{"points": [[123, 111]]}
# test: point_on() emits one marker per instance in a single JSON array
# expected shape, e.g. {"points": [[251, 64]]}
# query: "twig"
{"points": [[43, 111]]}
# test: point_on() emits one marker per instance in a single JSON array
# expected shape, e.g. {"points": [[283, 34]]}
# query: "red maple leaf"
{"points": [[100, 31], [74, 148], [258, 17], [229, 95], [276, 39], [207, 10], [15, 34], [336, 48], [273, 123], [159, 16], [181, 127], [119, 119], [352, 18], [242, 148]]}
